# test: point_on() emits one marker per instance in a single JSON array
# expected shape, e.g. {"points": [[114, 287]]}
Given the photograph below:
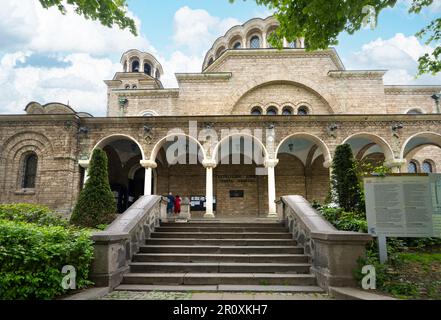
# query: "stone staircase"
{"points": [[220, 256]]}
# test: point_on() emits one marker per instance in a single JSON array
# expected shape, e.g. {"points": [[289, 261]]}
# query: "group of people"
{"points": [[173, 204]]}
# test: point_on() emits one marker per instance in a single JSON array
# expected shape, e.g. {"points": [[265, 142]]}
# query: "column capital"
{"points": [[327, 164], [84, 163], [271, 163], [148, 164], [394, 163], [209, 163]]}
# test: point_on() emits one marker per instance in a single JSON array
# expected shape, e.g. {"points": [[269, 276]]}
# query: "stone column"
{"points": [[85, 164], [209, 165], [270, 164], [395, 164], [149, 165], [264, 40]]}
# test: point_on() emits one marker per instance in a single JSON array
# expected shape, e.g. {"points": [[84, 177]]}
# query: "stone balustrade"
{"points": [[114, 247], [333, 254]]}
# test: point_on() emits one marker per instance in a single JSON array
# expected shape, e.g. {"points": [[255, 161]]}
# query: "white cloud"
{"points": [[398, 54], [180, 63], [197, 29], [80, 84], [27, 24]]}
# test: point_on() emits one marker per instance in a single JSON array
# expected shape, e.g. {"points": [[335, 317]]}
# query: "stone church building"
{"points": [[255, 124]]}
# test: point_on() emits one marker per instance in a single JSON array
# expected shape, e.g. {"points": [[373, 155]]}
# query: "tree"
{"points": [[96, 204], [344, 180], [321, 21], [108, 12]]}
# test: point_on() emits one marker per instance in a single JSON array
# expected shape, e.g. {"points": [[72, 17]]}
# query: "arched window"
{"points": [[255, 42], [210, 62], [148, 114], [237, 45], [147, 69], [427, 167], [134, 86], [256, 111], [271, 111], [287, 111], [127, 86], [30, 163], [414, 111], [157, 75], [135, 66], [412, 167], [303, 111]]}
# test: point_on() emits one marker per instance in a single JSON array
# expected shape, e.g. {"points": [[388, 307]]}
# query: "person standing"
{"points": [[170, 203], [177, 204]]}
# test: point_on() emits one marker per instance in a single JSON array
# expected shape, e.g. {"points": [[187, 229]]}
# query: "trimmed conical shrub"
{"points": [[96, 203], [344, 179]]}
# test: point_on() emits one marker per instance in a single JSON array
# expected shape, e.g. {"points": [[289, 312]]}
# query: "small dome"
{"points": [[144, 62]]}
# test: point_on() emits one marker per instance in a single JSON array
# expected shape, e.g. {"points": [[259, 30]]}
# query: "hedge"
{"points": [[31, 213], [32, 257]]}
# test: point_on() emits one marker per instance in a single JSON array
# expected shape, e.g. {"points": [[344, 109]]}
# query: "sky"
{"points": [[49, 57]]}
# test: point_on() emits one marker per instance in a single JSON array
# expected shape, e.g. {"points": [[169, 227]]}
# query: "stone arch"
{"points": [[239, 134], [114, 137], [296, 80], [162, 141], [27, 138], [382, 143], [319, 142], [426, 138]]}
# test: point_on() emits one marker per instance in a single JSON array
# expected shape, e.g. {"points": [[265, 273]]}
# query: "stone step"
{"points": [[222, 242], [222, 229], [244, 258], [189, 249], [223, 224], [261, 279], [218, 267], [220, 288], [221, 235]]}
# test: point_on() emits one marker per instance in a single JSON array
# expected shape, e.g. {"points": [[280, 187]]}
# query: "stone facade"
{"points": [[305, 101]]}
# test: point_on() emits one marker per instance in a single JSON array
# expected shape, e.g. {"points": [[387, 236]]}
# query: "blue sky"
{"points": [[47, 57]]}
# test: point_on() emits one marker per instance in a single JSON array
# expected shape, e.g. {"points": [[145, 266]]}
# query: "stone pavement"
{"points": [[163, 295]]}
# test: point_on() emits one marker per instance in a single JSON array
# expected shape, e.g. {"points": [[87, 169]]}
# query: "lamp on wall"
{"points": [[436, 97]]}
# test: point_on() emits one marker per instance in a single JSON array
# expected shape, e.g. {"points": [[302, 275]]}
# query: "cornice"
{"points": [[357, 74], [272, 53], [203, 77], [150, 93], [412, 90]]}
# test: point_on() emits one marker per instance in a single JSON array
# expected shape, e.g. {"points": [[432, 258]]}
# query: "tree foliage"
{"points": [[96, 204], [321, 21], [345, 181], [108, 12]]}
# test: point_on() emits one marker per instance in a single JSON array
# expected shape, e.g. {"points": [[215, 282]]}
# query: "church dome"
{"points": [[143, 62], [253, 34]]}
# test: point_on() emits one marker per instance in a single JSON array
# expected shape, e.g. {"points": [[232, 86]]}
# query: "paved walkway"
{"points": [[162, 295]]}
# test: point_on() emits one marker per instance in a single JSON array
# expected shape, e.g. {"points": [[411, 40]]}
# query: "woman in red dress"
{"points": [[177, 204]]}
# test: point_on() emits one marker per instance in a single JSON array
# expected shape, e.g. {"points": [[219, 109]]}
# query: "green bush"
{"points": [[344, 180], [32, 257], [96, 204], [346, 221], [31, 213]]}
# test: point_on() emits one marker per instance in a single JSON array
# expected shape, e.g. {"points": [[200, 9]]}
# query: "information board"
{"points": [[404, 206], [199, 203]]}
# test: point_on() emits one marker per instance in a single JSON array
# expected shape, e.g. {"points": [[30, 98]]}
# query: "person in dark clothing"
{"points": [[170, 203]]}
